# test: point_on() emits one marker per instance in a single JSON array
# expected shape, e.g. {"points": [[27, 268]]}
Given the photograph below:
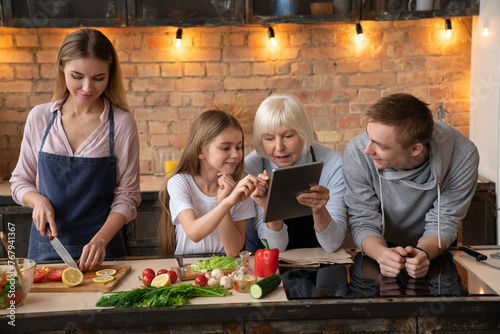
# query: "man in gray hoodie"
{"points": [[409, 181]]}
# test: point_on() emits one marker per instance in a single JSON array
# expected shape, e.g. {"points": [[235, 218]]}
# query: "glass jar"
{"points": [[243, 275]]}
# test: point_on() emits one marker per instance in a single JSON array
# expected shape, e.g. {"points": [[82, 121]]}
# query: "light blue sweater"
{"points": [[331, 177], [410, 197]]}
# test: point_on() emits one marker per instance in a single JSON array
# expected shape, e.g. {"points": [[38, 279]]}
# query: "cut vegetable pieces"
{"points": [[103, 279], [161, 281], [106, 272], [72, 276], [264, 286]]}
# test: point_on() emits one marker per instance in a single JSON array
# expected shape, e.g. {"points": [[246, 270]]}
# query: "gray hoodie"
{"points": [[414, 202]]}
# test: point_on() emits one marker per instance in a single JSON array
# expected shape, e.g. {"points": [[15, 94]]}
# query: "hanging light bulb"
{"points": [[447, 27], [359, 31], [178, 37], [486, 24], [270, 33]]}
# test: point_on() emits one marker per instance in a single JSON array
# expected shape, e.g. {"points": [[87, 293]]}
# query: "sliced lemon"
{"points": [[103, 279], [72, 276], [161, 280], [106, 272]]}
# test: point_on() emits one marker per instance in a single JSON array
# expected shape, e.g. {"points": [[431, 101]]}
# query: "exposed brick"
{"points": [[16, 101], [18, 86], [262, 68], [27, 72], [171, 70], [244, 83], [6, 72], [199, 85], [240, 69], [194, 70], [148, 70], [153, 85], [370, 65], [284, 83], [217, 69], [235, 39], [14, 56], [6, 42], [300, 68]]}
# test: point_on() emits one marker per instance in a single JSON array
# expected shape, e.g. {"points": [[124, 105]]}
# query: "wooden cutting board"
{"points": [[87, 285], [190, 275]]}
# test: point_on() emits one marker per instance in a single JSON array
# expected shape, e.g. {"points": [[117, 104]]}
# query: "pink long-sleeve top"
{"points": [[126, 149]]}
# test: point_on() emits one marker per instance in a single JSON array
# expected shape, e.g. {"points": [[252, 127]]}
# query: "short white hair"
{"points": [[282, 110]]}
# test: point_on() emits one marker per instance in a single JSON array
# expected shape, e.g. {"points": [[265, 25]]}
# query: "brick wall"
{"points": [[336, 76]]}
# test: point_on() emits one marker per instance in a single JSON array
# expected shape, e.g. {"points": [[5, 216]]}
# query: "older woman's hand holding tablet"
{"points": [[284, 142]]}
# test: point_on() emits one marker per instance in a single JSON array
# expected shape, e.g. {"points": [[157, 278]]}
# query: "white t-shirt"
{"points": [[185, 194]]}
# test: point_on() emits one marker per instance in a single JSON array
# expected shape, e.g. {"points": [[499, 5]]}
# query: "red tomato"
{"points": [[173, 276], [147, 279], [55, 275], [201, 280], [148, 271], [162, 271], [39, 275], [16, 296]]}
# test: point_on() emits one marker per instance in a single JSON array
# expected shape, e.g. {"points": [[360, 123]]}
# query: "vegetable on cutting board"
{"points": [[266, 260], [265, 286]]}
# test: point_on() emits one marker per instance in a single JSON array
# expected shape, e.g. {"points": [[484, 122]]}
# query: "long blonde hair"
{"points": [[205, 128], [91, 43]]}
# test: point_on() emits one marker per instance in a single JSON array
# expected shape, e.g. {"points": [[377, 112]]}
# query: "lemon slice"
{"points": [[72, 276], [161, 280], [103, 279], [106, 272]]}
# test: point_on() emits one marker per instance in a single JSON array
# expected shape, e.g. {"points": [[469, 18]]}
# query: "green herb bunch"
{"points": [[177, 295]]}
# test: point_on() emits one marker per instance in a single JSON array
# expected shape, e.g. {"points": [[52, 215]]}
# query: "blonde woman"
{"points": [[78, 167], [283, 136]]}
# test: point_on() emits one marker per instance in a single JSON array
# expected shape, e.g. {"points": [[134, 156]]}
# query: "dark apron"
{"points": [[301, 232], [81, 191]]}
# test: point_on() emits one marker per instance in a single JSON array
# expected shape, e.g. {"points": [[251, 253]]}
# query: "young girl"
{"points": [[204, 210]]}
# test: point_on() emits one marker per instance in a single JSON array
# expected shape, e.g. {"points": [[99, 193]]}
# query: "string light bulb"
{"points": [[486, 24], [178, 37], [447, 27], [359, 32], [270, 33]]}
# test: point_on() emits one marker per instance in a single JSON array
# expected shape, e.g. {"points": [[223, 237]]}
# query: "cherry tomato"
{"points": [[201, 280], [148, 271], [39, 275], [173, 276], [55, 275], [161, 271], [147, 279]]}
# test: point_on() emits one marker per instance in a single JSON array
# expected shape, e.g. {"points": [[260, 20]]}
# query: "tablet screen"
{"points": [[285, 185]]}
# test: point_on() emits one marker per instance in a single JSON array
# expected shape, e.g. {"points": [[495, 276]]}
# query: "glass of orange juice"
{"points": [[170, 167]]}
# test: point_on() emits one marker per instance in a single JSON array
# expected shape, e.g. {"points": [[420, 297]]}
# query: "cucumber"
{"points": [[264, 286]]}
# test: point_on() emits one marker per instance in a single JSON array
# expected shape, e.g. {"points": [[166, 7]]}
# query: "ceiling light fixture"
{"points": [[359, 32], [270, 33], [178, 37], [447, 27]]}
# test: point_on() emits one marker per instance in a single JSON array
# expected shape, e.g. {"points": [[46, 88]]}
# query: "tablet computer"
{"points": [[285, 185]]}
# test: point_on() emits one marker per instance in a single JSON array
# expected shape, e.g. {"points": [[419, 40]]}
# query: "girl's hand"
{"points": [[43, 213], [316, 199], [260, 194], [226, 186], [243, 190]]}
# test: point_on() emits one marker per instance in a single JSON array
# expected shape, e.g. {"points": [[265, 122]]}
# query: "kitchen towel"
{"points": [[313, 257]]}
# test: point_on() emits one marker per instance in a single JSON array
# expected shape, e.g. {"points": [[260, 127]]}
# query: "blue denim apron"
{"points": [[81, 191]]}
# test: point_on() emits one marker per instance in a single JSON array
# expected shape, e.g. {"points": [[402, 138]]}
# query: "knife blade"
{"points": [[63, 253], [180, 262], [482, 258]]}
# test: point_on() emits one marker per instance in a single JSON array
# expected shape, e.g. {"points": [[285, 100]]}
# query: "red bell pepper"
{"points": [[266, 260]]}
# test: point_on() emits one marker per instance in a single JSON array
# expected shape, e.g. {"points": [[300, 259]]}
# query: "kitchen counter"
{"points": [[239, 313]]}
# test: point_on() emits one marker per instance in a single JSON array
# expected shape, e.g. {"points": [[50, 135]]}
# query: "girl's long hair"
{"points": [[91, 43], [205, 128]]}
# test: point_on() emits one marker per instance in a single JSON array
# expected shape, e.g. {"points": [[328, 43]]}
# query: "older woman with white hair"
{"points": [[283, 136]]}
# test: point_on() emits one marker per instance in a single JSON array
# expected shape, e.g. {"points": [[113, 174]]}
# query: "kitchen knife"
{"points": [[180, 261], [481, 257], [63, 253]]}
